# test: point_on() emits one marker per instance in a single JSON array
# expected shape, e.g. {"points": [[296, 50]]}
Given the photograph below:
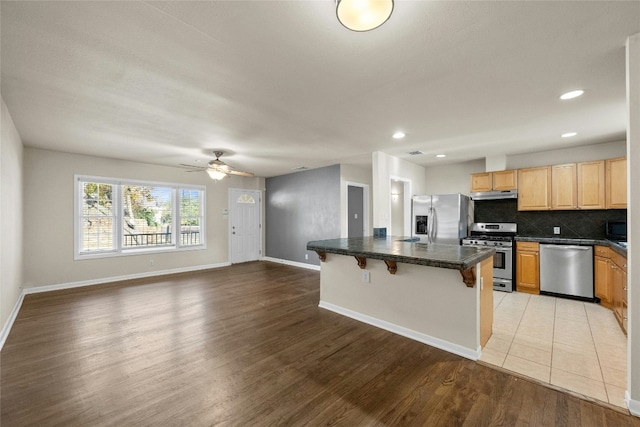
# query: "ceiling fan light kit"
{"points": [[363, 15], [216, 175], [217, 169]]}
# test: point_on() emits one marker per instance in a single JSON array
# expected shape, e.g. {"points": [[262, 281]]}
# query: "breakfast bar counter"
{"points": [[428, 292], [405, 250]]}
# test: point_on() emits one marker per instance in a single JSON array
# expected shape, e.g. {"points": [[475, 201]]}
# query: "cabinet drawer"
{"points": [[528, 246], [602, 251]]}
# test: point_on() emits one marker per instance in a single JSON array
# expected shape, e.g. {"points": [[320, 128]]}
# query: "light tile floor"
{"points": [[571, 344]]}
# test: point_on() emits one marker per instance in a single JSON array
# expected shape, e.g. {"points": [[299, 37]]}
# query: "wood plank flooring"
{"points": [[247, 345]]}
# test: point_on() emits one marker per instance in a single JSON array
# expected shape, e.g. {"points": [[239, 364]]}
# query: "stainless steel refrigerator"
{"points": [[440, 218]]}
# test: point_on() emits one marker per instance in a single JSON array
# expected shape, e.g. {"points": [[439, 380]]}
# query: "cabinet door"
{"points": [[564, 187], [602, 272], [528, 272], [481, 182], [534, 189], [617, 285], [624, 313], [591, 180], [505, 180], [616, 192]]}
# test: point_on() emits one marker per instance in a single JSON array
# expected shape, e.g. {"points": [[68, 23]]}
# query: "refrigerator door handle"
{"points": [[431, 230]]}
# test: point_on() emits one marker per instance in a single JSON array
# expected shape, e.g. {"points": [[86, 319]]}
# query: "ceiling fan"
{"points": [[217, 169]]}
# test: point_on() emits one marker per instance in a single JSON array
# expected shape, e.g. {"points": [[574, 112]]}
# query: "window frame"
{"points": [[119, 250]]}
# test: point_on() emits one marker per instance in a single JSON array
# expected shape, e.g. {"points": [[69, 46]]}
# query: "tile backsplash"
{"points": [[573, 224]]}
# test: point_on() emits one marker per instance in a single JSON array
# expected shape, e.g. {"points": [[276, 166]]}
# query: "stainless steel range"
{"points": [[499, 235]]}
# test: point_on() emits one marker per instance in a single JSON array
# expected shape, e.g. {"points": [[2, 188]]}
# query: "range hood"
{"points": [[495, 195]]}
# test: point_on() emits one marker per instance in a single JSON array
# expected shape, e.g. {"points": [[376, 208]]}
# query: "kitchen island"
{"points": [[427, 292]]}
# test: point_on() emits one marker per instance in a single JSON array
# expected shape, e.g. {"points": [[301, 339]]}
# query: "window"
{"points": [[118, 217]]}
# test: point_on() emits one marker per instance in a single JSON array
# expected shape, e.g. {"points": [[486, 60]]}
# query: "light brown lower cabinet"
{"points": [[528, 267], [602, 275], [619, 288]]}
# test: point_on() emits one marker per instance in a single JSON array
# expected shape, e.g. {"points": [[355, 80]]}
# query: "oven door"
{"points": [[502, 263]]}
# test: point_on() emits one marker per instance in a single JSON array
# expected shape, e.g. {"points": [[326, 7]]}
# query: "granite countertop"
{"points": [[398, 249], [622, 250]]}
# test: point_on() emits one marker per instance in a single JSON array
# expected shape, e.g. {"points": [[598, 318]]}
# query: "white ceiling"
{"points": [[281, 84]]}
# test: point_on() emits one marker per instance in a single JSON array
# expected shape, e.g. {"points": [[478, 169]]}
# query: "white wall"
{"points": [[385, 168], [360, 175], [633, 215], [584, 153], [397, 209], [453, 178], [11, 208], [48, 218]]}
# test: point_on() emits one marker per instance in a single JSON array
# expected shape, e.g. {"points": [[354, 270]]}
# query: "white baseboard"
{"points": [[101, 281], [4, 333], [292, 263], [633, 405], [405, 332]]}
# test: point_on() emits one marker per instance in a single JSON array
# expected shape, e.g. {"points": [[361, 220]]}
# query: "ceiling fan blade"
{"points": [[240, 173], [196, 168]]}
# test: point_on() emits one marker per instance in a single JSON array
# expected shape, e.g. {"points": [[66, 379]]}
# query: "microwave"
{"points": [[617, 230]]}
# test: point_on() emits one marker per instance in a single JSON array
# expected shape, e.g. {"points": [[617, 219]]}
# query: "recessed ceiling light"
{"points": [[441, 155], [571, 95], [398, 135], [568, 134]]}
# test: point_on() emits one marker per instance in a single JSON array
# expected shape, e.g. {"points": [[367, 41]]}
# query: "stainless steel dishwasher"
{"points": [[567, 270]]}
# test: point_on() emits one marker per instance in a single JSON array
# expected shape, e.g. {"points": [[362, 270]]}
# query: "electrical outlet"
{"points": [[366, 276], [306, 256], [556, 230]]}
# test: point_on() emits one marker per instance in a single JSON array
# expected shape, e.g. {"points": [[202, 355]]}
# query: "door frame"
{"points": [[231, 212], [408, 215], [365, 207]]}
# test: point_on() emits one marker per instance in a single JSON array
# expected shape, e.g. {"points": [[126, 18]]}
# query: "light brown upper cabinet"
{"points": [[591, 185], [505, 180], [564, 187], [616, 183], [534, 189], [498, 181], [481, 182]]}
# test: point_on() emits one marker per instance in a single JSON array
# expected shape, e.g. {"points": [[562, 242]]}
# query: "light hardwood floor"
{"points": [[247, 345]]}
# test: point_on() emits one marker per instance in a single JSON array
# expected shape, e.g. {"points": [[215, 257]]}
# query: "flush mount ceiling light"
{"points": [[398, 135], [568, 134], [571, 95], [363, 15]]}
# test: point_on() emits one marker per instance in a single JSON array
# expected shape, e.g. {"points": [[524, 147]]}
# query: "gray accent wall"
{"points": [[300, 207]]}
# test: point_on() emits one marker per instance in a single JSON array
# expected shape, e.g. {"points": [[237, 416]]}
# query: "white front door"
{"points": [[244, 225]]}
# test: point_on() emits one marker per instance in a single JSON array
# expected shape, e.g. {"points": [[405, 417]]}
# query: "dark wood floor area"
{"points": [[247, 345]]}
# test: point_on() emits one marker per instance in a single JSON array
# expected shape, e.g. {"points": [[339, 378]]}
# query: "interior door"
{"points": [[355, 198], [244, 225]]}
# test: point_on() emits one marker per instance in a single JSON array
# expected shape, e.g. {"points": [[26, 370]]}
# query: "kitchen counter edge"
{"points": [[398, 250], [580, 242]]}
